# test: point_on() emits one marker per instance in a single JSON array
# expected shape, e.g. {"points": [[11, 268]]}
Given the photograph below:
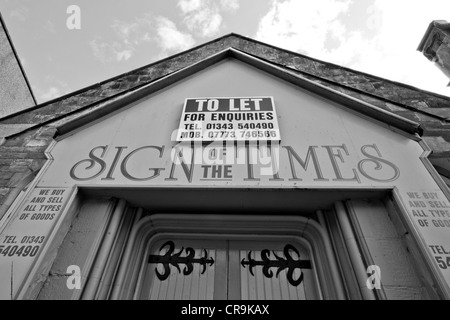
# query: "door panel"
{"points": [[195, 286], [186, 269], [260, 287], [274, 284]]}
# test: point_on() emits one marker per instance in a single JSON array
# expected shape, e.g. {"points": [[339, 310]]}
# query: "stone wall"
{"points": [[27, 134], [435, 45]]}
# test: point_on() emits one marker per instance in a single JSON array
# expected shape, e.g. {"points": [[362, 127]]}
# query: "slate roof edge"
{"points": [[383, 116], [77, 92], [92, 86], [360, 91], [401, 84]]}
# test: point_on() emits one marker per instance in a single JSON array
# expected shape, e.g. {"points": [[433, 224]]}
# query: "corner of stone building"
{"points": [[21, 158], [435, 45]]}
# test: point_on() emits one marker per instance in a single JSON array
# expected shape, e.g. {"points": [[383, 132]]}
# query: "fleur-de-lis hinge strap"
{"points": [[175, 259], [281, 263]]}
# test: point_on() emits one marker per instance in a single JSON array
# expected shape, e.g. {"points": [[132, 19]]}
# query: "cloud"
{"points": [[383, 42], [188, 6], [50, 88], [20, 13], [229, 5], [110, 52], [50, 26], [204, 22], [127, 37], [135, 32], [203, 17], [170, 39], [392, 52], [130, 36], [302, 27], [51, 93]]}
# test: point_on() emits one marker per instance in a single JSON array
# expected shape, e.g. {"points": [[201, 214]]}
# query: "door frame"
{"points": [[153, 227], [225, 240]]}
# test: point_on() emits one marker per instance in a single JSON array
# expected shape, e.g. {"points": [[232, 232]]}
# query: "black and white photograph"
{"points": [[231, 156]]}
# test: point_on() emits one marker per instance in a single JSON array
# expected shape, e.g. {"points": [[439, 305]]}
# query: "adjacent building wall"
{"points": [[435, 45], [15, 92]]}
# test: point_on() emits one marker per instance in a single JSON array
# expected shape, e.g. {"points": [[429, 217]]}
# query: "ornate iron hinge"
{"points": [[175, 259], [281, 263]]}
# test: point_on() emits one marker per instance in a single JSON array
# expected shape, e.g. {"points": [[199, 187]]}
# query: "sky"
{"points": [[63, 49]]}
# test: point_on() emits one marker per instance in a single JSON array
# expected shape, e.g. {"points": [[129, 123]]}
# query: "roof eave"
{"points": [[358, 106]]}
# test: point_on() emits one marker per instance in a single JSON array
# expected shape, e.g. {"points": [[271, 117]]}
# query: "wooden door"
{"points": [[270, 270], [187, 269], [184, 269]]}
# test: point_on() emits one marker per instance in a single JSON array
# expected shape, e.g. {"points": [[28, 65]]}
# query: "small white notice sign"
{"points": [[26, 234], [229, 119]]}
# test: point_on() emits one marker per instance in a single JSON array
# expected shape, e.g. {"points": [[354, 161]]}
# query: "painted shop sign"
{"points": [[229, 119], [246, 163], [24, 237], [431, 214]]}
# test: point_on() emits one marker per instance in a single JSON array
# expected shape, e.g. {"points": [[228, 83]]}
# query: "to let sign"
{"points": [[229, 119]]}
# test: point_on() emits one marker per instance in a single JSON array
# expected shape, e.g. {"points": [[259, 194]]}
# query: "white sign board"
{"points": [[26, 234], [430, 212], [229, 119]]}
